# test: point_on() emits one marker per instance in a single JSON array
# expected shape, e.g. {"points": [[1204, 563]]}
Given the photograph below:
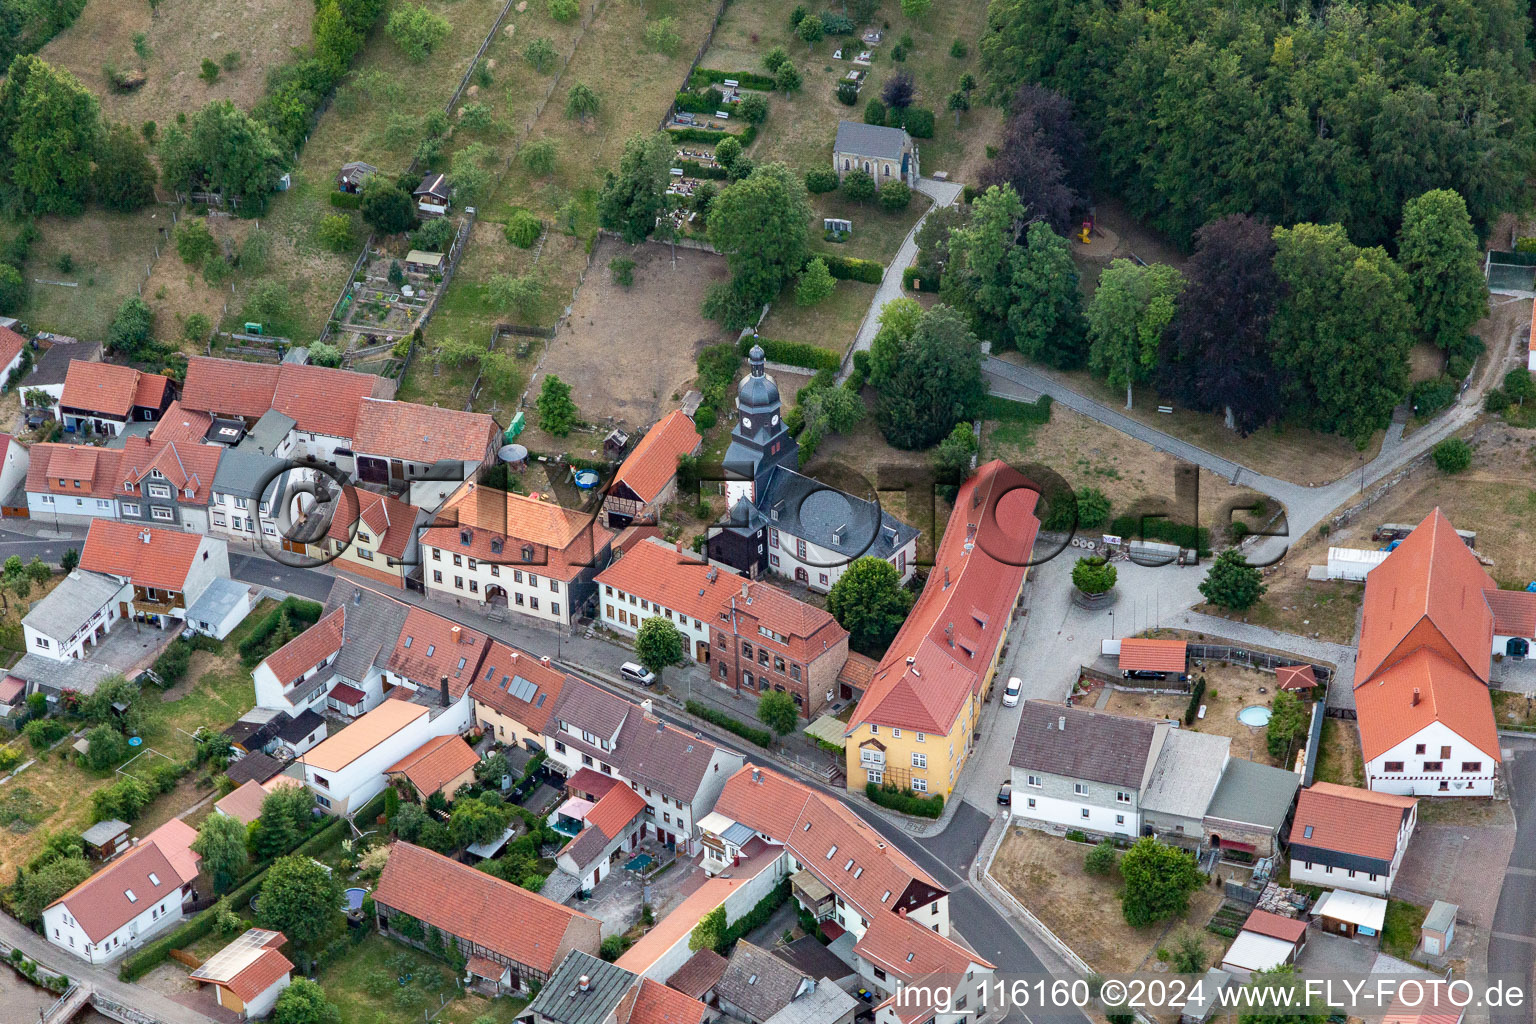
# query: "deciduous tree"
{"points": [[1045, 317], [927, 381], [557, 413], [761, 225], [1232, 582], [299, 897], [776, 708], [1288, 721], [1437, 249], [221, 843], [1130, 309], [124, 179], [304, 1002], [50, 127], [659, 644], [1092, 574], [869, 602], [581, 102], [222, 149], [816, 283], [632, 199], [1158, 881], [540, 53], [416, 30]]}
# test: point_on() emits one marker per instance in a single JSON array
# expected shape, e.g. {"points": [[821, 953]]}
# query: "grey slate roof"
{"points": [[295, 729], [815, 511], [1254, 794], [757, 982], [104, 831], [53, 364], [71, 604], [1187, 772], [268, 432], [133, 428], [592, 709], [221, 597], [562, 1001], [870, 140], [808, 956], [58, 676], [662, 757], [823, 1003], [243, 472], [374, 623], [1098, 747]]}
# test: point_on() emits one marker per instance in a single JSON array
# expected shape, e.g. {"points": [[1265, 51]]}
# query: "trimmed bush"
{"points": [[821, 179], [524, 229], [793, 353], [913, 282], [918, 122], [1156, 528], [694, 169], [762, 737], [1007, 410], [1195, 697], [347, 200], [1453, 455], [848, 268], [703, 78], [1430, 396], [905, 800], [706, 101]]}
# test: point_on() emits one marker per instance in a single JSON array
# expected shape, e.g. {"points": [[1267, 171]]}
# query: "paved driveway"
{"points": [[1512, 943]]}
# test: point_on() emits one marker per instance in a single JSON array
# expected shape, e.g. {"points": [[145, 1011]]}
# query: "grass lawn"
{"points": [[1400, 932], [1513, 710], [1339, 761], [832, 323], [368, 985], [877, 233], [1326, 609]]}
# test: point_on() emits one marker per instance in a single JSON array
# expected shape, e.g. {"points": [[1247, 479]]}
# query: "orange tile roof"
{"points": [[653, 463], [658, 572], [75, 463], [149, 391], [1446, 692], [1514, 612], [430, 648], [977, 572], [389, 522], [1295, 677], [422, 433], [11, 345], [319, 399], [1349, 820], [179, 424], [310, 647], [911, 951], [677, 924], [564, 541], [491, 687], [109, 389], [119, 549], [655, 1003], [95, 468], [808, 631], [435, 763], [1427, 592], [700, 974], [340, 749], [857, 671], [522, 926], [810, 823], [614, 810], [184, 465], [244, 803], [1286, 929], [1139, 654], [265, 971]]}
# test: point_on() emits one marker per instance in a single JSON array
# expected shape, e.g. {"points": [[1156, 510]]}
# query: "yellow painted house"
{"points": [[916, 722]]}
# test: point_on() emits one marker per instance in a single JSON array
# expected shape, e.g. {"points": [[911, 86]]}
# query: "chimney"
{"points": [[946, 577], [144, 536], [645, 707], [911, 659], [901, 911], [949, 633], [757, 776], [544, 661], [515, 657], [1061, 723], [457, 634], [584, 982], [443, 690], [1415, 697], [743, 591], [357, 596]]}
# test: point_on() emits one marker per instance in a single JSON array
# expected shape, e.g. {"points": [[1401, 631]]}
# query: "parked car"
{"points": [[1142, 673], [1005, 794], [1012, 692], [637, 674]]}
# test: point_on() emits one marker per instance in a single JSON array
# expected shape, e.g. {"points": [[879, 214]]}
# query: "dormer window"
{"points": [[527, 552], [496, 545], [465, 537]]}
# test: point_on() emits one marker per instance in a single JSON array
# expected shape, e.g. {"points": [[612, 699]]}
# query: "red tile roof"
{"points": [[616, 809], [658, 572], [1514, 612], [1295, 677], [179, 424], [184, 465], [1445, 691], [422, 433], [309, 648], [910, 951], [119, 549], [592, 782], [435, 763], [1349, 820], [318, 399], [11, 345], [982, 556], [264, 972], [94, 468], [430, 648], [101, 904], [110, 389], [810, 823], [347, 695], [477, 907], [700, 974], [677, 923], [389, 523], [1139, 654], [653, 1003], [653, 463], [492, 686], [243, 803], [563, 541], [857, 671], [1427, 592], [808, 631], [1287, 929]]}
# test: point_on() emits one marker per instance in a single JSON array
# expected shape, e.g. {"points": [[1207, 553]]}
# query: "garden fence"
{"points": [[1261, 660]]}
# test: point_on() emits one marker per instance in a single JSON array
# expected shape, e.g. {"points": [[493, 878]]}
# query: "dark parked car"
{"points": [[1005, 794]]}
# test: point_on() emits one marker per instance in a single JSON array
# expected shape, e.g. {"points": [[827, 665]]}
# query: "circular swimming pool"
{"points": [[1254, 714]]}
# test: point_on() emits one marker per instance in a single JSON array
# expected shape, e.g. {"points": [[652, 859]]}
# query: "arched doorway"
{"points": [[496, 594]]}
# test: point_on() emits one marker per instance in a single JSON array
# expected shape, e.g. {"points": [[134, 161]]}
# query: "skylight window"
{"points": [[849, 864], [831, 852], [408, 641], [154, 879], [431, 649], [131, 897], [1306, 833], [886, 896]]}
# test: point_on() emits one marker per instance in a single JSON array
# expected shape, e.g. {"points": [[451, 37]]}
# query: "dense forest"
{"points": [[1291, 112]]}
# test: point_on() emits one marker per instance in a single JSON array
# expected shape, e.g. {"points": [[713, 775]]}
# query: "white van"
{"points": [[637, 674]]}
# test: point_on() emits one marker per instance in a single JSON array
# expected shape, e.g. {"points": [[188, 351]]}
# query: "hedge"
{"points": [[302, 612], [706, 102], [848, 268], [793, 353], [762, 737], [347, 200], [706, 135], [694, 169], [1008, 410], [905, 801], [1195, 696], [912, 282], [704, 77], [756, 917], [1133, 527]]}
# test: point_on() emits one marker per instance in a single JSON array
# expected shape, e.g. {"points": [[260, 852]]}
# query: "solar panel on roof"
{"points": [[521, 689]]}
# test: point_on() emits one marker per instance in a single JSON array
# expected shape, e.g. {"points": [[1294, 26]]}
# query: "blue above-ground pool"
{"points": [[586, 479], [1255, 715], [355, 898]]}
